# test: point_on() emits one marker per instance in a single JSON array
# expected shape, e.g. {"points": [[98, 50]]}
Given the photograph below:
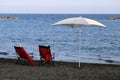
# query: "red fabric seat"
{"points": [[22, 54], [45, 53]]}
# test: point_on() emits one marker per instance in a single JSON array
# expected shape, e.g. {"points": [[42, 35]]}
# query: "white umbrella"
{"points": [[79, 22]]}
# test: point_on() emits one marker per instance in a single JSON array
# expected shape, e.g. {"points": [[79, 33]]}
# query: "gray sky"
{"points": [[61, 6]]}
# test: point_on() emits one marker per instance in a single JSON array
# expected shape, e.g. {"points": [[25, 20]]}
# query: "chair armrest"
{"points": [[31, 55], [53, 55]]}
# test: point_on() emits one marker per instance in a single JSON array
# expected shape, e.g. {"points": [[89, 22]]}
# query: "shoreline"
{"points": [[61, 71], [104, 61]]}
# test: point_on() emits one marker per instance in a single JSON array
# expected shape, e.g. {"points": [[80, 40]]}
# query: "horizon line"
{"points": [[59, 13]]}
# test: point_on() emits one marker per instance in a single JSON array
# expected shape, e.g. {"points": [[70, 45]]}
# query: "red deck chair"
{"points": [[45, 54], [22, 54]]}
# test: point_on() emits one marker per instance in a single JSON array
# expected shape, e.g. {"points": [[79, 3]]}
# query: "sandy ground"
{"points": [[60, 71]]}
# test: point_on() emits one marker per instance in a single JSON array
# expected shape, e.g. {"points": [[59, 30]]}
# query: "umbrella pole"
{"points": [[79, 48]]}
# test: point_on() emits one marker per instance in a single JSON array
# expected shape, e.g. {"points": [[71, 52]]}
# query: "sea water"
{"points": [[98, 45]]}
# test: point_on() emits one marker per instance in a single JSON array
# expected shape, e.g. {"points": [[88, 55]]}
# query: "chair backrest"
{"points": [[23, 54], [20, 51], [45, 52]]}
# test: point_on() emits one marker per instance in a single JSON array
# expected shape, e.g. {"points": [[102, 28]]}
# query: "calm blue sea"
{"points": [[98, 45]]}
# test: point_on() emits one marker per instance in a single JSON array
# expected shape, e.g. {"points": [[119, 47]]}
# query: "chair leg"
{"points": [[53, 59], [18, 60], [53, 62], [26, 62], [40, 62]]}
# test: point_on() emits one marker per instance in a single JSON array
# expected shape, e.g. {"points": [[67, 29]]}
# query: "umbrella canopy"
{"points": [[79, 22]]}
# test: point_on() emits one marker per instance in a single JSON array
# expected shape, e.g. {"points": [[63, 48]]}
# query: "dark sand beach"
{"points": [[61, 71]]}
